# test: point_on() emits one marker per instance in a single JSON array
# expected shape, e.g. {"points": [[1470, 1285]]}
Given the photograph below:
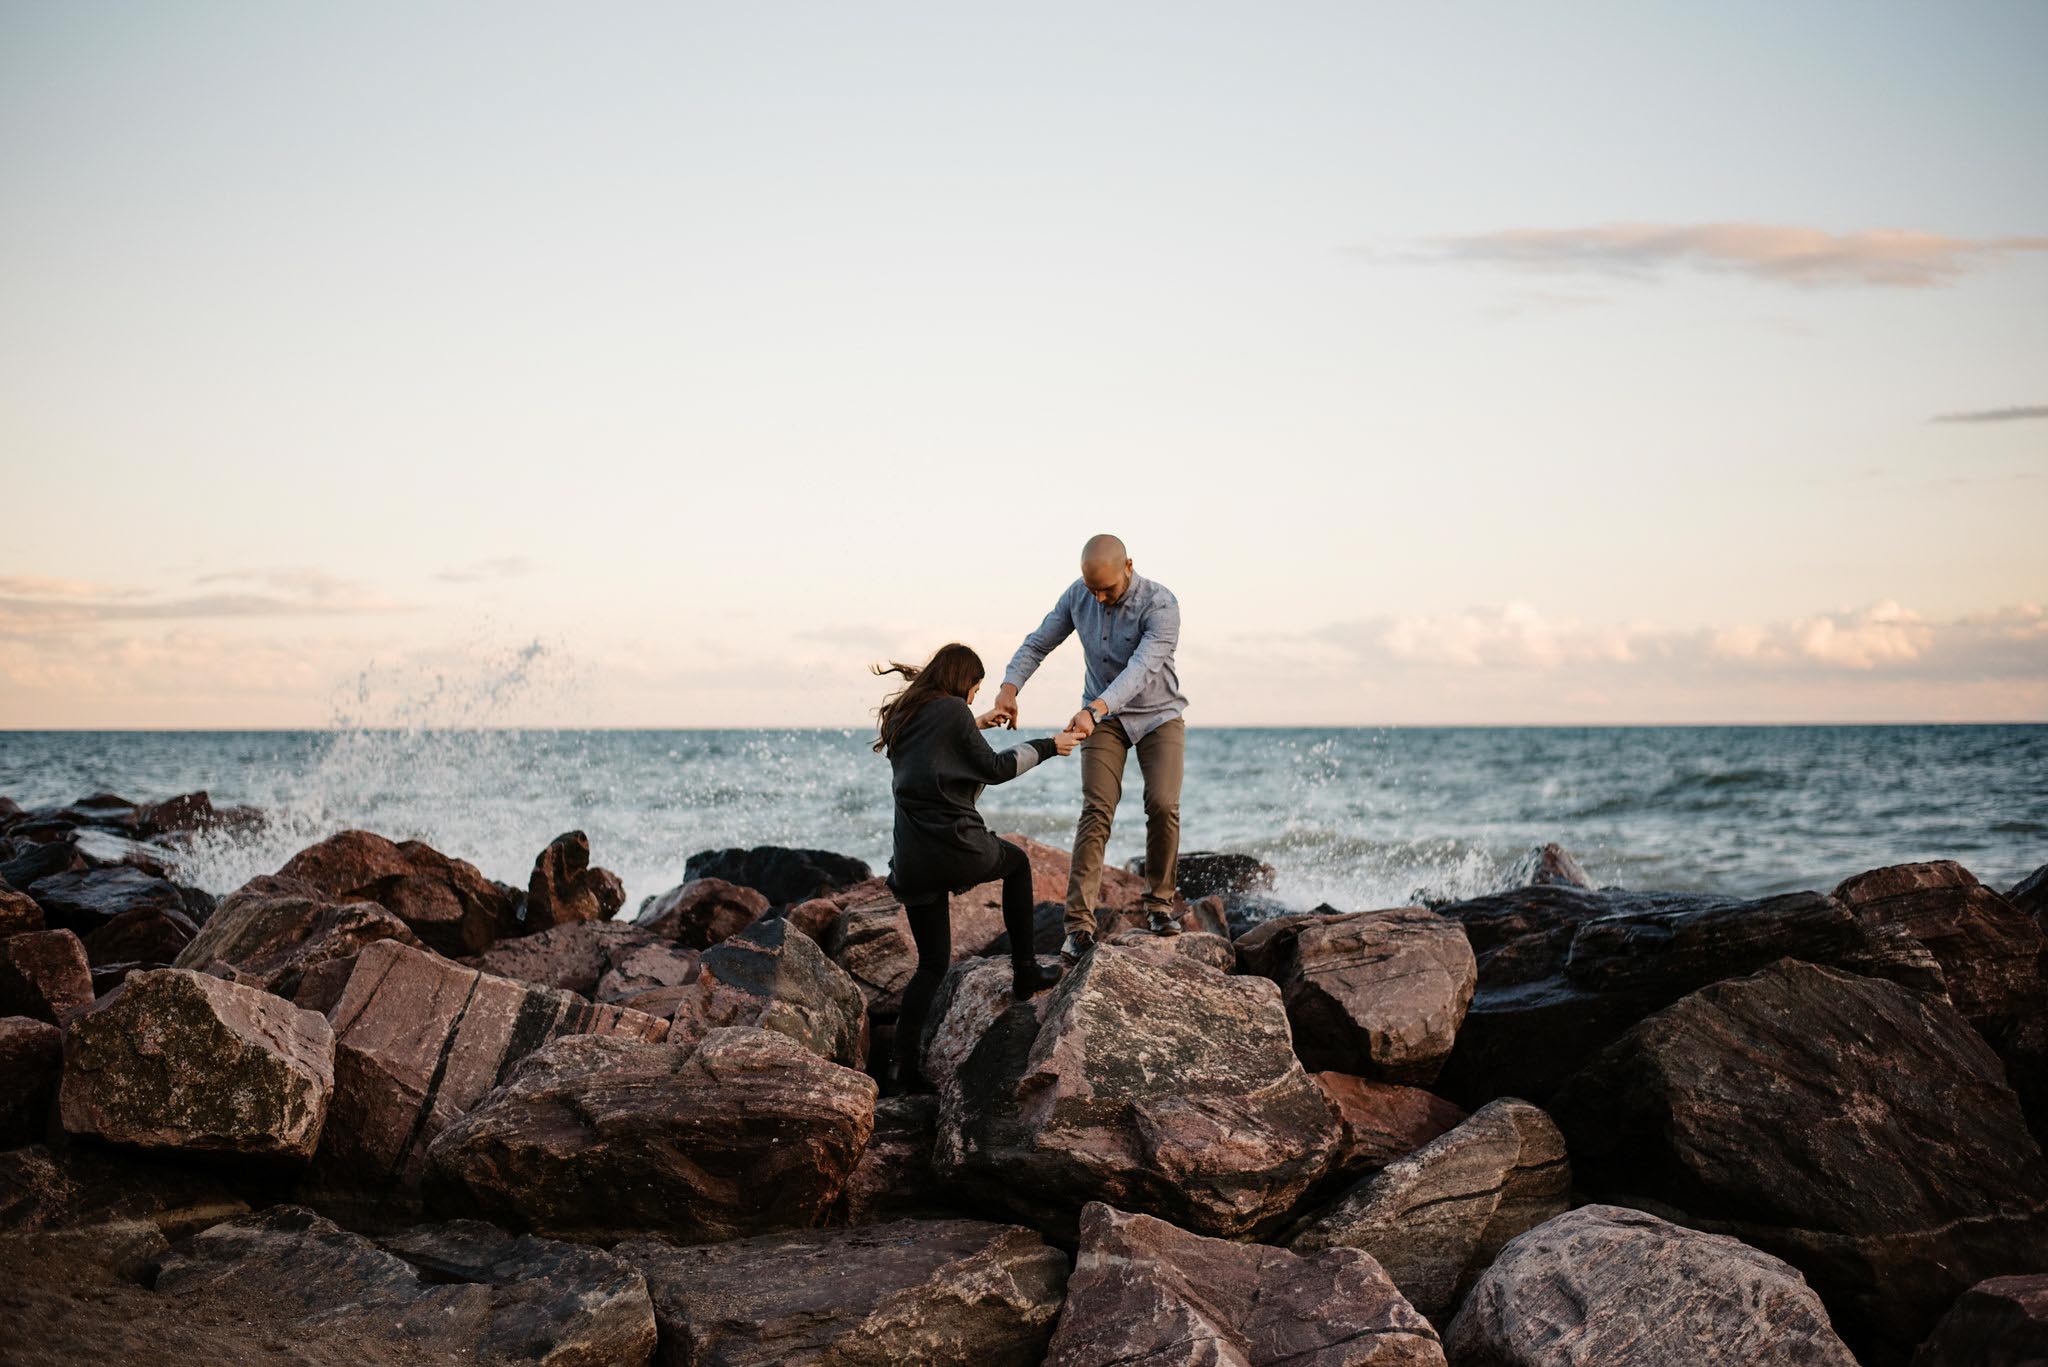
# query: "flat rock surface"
{"points": [[573, 957], [1145, 1294], [944, 1293], [1605, 1284], [268, 932], [179, 1060], [747, 1131]]}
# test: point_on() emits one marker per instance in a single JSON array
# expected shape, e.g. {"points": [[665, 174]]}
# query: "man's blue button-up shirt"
{"points": [[1127, 647]]}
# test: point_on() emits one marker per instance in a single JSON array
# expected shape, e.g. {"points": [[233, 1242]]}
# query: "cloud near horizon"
{"points": [[1778, 253], [2023, 413]]}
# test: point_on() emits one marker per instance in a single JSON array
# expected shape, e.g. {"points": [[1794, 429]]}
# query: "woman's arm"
{"points": [[989, 764]]}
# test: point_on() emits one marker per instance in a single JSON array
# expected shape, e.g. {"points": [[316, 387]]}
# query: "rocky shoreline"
{"points": [[379, 1107]]}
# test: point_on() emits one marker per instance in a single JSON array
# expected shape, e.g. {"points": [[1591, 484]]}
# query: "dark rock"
{"points": [[572, 957], [1382, 1121], [593, 1136], [1207, 873], [653, 972], [1048, 930], [894, 1175], [1378, 993], [487, 1296], [1435, 1218], [107, 977], [783, 876], [1151, 1082], [2030, 895], [940, 1293], [44, 975], [30, 866], [1563, 972], [150, 935], [106, 850], [1604, 1284], [564, 887], [771, 975], [1999, 1322], [176, 1060], [702, 912], [270, 931], [1144, 1292], [447, 903], [31, 1062], [10, 812], [102, 1212], [972, 996], [86, 899], [418, 1040], [871, 941], [1989, 950], [1546, 866], [19, 913], [1859, 1130]]}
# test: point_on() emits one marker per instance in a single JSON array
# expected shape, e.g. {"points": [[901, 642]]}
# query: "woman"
{"points": [[934, 743]]}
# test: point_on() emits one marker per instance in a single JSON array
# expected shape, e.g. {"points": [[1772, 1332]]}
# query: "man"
{"points": [[1129, 627]]}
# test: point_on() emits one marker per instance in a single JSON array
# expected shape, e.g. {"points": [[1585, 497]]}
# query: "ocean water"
{"points": [[1355, 817]]}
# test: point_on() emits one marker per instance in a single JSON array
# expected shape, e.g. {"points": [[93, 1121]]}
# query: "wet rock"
{"points": [[2030, 895], [1859, 1130], [573, 957], [31, 1061], [1378, 993], [84, 900], [941, 1293], [451, 907], [1989, 950], [1999, 1322], [784, 876], [10, 812], [894, 1175], [748, 1131], [1605, 1284], [19, 913], [1546, 866], [141, 935], [44, 975], [1435, 1218], [38, 861], [652, 972], [564, 888], [270, 931], [702, 912], [1563, 972], [1382, 1121], [1153, 1083], [488, 1297], [773, 976], [418, 1040], [1206, 873], [1144, 1292], [1196, 946], [176, 1060]]}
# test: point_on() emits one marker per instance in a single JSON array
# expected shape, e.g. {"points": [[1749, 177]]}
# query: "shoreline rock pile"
{"points": [[378, 1106]]}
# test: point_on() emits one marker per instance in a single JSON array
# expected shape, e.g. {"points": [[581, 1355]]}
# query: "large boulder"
{"points": [[564, 888], [1604, 1284], [1382, 1121], [1989, 950], [894, 1175], [145, 935], [784, 876], [31, 1062], [19, 912], [1859, 1130], [972, 996], [1437, 1217], [574, 957], [452, 908], [1378, 993], [1563, 972], [271, 930], [748, 1131], [453, 1293], [773, 976], [1151, 1083], [1999, 1322], [418, 1040], [44, 974], [1214, 873], [85, 900], [702, 912], [182, 1061], [940, 1293], [1145, 1294]]}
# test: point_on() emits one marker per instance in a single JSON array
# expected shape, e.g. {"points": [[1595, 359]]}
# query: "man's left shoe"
{"points": [[1162, 922]]}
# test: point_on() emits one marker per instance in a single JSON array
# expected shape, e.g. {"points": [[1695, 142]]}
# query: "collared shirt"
{"points": [[1127, 646]]}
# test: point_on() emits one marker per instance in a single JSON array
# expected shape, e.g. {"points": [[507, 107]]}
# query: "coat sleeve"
{"points": [[990, 765]]}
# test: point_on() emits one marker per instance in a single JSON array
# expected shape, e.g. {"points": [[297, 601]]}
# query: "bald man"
{"points": [[1131, 699]]}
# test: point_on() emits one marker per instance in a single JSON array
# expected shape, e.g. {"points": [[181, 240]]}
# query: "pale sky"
{"points": [[1486, 363]]}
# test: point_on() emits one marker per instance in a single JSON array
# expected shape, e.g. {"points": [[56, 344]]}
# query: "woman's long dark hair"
{"points": [[949, 673]]}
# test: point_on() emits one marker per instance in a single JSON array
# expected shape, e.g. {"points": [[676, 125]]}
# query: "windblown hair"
{"points": [[949, 673]]}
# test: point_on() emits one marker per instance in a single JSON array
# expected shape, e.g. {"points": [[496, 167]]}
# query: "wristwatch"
{"points": [[1101, 716]]}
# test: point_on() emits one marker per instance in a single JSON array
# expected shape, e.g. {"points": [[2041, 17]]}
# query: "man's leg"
{"points": [[1162, 756], [1102, 786]]}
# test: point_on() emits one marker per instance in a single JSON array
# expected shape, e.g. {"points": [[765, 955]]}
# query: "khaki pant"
{"points": [[1161, 756]]}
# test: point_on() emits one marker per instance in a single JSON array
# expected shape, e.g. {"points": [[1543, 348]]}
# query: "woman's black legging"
{"points": [[931, 926]]}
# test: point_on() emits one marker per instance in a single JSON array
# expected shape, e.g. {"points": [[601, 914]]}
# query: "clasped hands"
{"points": [[1004, 713]]}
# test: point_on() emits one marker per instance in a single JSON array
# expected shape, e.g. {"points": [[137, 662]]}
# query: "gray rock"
{"points": [[1999, 1322], [773, 976]]}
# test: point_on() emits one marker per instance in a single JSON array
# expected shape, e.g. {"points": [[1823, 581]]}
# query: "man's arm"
{"points": [[1057, 626], [1154, 652]]}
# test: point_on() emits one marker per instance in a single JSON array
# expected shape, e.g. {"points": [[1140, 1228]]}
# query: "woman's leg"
{"points": [[1013, 866], [931, 926]]}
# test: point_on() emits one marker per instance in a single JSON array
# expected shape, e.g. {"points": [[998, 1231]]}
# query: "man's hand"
{"points": [[1005, 710], [1083, 724], [1065, 742]]}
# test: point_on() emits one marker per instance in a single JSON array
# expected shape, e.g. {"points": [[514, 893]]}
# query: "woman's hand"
{"points": [[1065, 741], [993, 717]]}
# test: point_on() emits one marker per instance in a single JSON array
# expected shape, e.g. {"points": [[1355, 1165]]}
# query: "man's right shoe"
{"points": [[1077, 943], [1162, 922]]}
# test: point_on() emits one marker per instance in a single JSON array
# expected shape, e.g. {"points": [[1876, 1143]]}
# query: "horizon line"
{"points": [[1218, 726]]}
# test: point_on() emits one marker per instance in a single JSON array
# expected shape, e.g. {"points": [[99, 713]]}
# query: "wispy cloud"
{"points": [[296, 581], [36, 606], [1780, 254], [2020, 414], [482, 571]]}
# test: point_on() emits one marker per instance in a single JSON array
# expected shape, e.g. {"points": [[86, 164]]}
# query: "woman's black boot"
{"points": [[1027, 981]]}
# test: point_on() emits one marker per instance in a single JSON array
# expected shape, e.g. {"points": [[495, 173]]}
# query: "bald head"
{"points": [[1105, 567]]}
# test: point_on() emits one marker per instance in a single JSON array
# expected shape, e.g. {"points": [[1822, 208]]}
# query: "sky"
{"points": [[667, 365]]}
